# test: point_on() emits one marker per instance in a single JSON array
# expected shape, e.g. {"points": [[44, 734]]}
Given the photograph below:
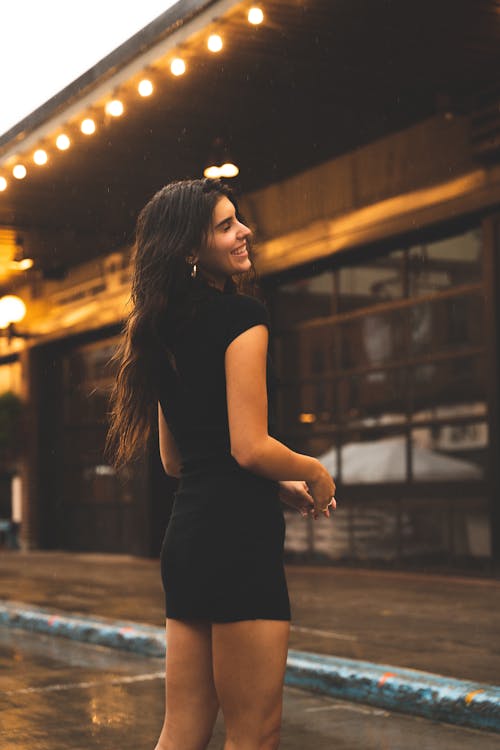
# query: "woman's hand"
{"points": [[322, 490], [295, 495]]}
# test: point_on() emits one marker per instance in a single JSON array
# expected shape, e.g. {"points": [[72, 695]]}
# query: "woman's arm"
{"points": [[169, 453], [251, 445]]}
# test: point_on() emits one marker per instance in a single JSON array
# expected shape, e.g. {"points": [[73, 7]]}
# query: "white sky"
{"points": [[46, 44]]}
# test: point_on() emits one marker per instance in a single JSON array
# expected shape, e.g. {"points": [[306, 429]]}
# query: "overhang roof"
{"points": [[316, 79]]}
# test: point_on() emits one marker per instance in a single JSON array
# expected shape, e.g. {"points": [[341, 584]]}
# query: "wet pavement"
{"points": [[446, 625], [57, 694]]}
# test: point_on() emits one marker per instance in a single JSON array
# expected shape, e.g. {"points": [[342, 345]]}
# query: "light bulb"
{"points": [[40, 157], [12, 309], [87, 126], [145, 87], [19, 171], [177, 66], [24, 264], [63, 142], [255, 16], [214, 43], [114, 108], [229, 170], [212, 172], [3, 184]]}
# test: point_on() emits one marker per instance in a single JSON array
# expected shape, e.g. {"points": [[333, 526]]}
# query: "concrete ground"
{"points": [[440, 624], [57, 694]]}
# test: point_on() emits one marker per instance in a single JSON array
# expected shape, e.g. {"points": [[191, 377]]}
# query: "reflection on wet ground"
{"points": [[58, 694]]}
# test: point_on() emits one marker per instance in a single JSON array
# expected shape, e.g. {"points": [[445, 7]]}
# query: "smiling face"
{"points": [[225, 253]]}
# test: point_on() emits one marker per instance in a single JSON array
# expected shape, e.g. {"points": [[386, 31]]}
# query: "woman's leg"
{"points": [[191, 703], [249, 660]]}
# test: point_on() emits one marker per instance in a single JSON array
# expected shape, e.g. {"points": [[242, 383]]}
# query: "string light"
{"points": [[229, 170], [114, 108], [21, 265], [212, 172], [145, 87], [226, 170], [255, 16], [63, 142], [88, 126], [214, 43], [177, 66], [19, 171], [12, 310], [40, 157]]}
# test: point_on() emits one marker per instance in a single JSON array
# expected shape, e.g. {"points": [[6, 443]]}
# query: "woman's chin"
{"points": [[243, 267]]}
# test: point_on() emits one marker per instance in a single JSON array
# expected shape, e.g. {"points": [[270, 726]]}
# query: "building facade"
{"points": [[379, 261]]}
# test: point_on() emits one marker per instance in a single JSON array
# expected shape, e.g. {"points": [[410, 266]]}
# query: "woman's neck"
{"points": [[218, 284]]}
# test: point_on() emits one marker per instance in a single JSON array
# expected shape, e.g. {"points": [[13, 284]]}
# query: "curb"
{"points": [[409, 691], [131, 636]]}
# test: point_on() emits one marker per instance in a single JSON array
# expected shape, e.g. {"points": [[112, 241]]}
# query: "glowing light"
{"points": [[226, 170], [114, 108], [212, 172], [4, 320], [21, 265], [12, 310], [3, 184], [307, 418], [40, 157], [214, 43], [255, 16], [177, 66], [63, 142], [87, 126], [145, 87], [229, 170], [19, 171]]}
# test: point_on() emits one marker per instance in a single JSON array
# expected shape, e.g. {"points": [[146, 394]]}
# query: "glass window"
{"points": [[372, 339], [425, 528], [454, 383], [374, 460], [382, 369], [375, 398], [440, 528], [446, 263], [374, 530], [379, 279], [304, 299], [455, 451], [448, 323]]}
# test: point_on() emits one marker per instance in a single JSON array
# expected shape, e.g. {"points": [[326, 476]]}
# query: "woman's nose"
{"points": [[244, 231]]}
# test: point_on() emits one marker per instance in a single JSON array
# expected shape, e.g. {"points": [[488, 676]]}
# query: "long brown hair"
{"points": [[170, 228]]}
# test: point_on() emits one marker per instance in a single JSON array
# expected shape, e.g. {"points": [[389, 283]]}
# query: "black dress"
{"points": [[222, 553]]}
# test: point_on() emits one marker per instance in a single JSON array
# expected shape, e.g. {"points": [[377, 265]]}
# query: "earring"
{"points": [[193, 271]]}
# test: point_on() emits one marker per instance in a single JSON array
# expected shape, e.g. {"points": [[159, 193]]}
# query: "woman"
{"points": [[194, 356]]}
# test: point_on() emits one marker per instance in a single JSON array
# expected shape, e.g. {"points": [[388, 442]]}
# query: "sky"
{"points": [[46, 44]]}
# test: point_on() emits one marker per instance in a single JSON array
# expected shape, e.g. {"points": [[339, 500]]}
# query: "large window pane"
{"points": [[379, 279], [455, 383], [375, 398], [441, 528], [389, 389], [446, 263], [446, 324], [373, 339], [304, 299], [367, 457], [454, 452]]}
